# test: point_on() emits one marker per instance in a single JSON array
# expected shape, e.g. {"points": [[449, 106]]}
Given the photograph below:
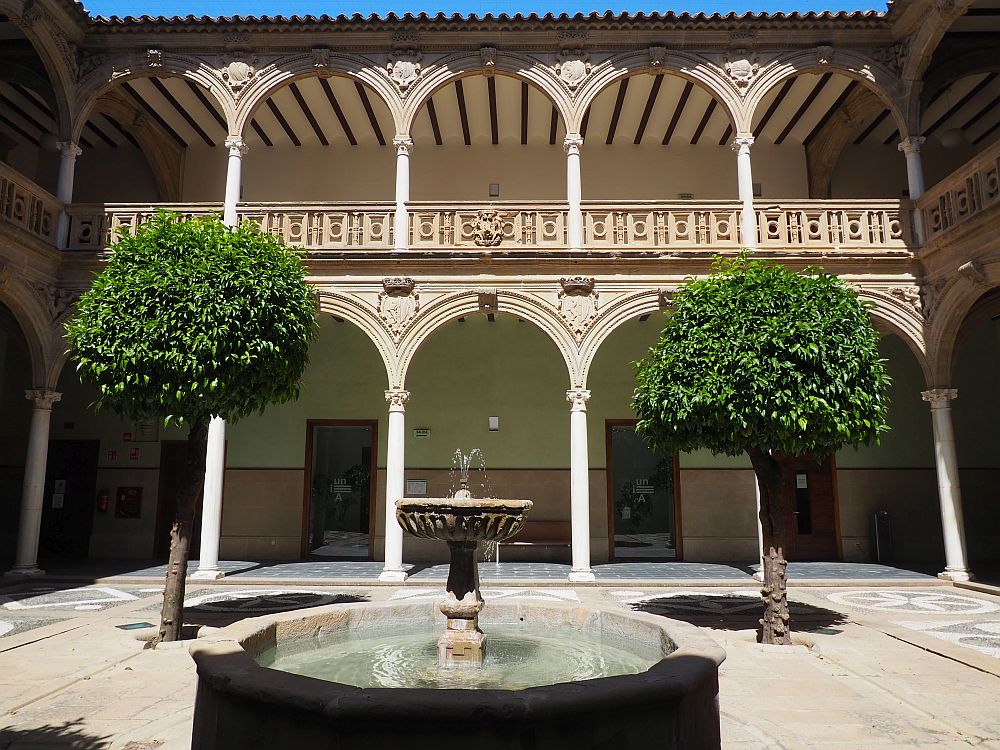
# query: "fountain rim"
{"points": [[462, 505], [223, 658]]}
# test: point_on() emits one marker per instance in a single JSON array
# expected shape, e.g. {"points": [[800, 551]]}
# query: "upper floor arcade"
{"points": [[654, 134]]}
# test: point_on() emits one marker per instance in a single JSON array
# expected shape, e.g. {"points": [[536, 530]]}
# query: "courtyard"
{"points": [[883, 657]]}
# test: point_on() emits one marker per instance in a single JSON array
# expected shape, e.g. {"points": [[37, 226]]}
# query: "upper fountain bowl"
{"points": [[453, 519]]}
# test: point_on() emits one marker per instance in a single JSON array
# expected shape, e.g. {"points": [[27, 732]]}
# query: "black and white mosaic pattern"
{"points": [[15, 626], [267, 600], [915, 601], [981, 635], [85, 598]]}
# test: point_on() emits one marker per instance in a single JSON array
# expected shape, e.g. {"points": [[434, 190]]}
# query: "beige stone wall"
{"points": [[125, 537], [717, 515], [262, 514]]}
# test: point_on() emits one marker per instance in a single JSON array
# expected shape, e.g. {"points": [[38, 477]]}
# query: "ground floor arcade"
{"points": [[310, 479]]}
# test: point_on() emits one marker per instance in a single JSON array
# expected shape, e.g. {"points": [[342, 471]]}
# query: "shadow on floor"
{"points": [[229, 608], [53, 737], [736, 612]]}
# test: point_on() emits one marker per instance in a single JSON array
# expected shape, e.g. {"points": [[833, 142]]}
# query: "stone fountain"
{"points": [[463, 523]]}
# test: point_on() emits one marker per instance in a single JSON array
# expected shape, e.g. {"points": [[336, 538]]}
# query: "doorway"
{"points": [[68, 504], [643, 497], [173, 458], [812, 521], [338, 516]]}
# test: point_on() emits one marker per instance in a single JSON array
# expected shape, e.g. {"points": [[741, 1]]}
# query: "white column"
{"points": [[234, 172], [394, 485], [211, 504], [574, 191], [32, 496], [68, 151], [404, 145], [748, 216], [914, 178], [215, 452], [759, 575], [579, 481], [949, 492]]}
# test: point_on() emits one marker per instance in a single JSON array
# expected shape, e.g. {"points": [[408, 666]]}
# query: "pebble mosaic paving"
{"points": [[919, 601], [982, 636], [412, 594]]}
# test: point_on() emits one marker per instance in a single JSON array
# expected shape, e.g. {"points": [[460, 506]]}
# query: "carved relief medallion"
{"points": [[487, 229], [572, 67], [742, 71], [397, 303], [404, 68], [578, 303], [239, 71]]}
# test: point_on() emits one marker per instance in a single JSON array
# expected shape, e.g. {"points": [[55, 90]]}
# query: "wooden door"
{"points": [[812, 521], [70, 489]]}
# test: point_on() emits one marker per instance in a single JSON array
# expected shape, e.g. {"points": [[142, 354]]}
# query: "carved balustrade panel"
{"points": [[967, 191], [708, 225], [28, 206], [820, 225], [470, 226]]}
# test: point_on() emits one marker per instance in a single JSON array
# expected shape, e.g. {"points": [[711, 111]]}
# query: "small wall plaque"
{"points": [[416, 486], [422, 432]]}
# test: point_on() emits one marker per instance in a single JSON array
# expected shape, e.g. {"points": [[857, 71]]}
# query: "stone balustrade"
{"points": [[783, 225], [965, 193], [28, 206]]}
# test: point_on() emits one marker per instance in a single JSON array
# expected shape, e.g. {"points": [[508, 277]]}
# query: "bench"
{"points": [[540, 534]]}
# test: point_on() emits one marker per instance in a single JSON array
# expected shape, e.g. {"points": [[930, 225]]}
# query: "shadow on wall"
{"points": [[56, 737], [732, 611]]}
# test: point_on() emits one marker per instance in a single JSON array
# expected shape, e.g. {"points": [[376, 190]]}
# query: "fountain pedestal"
{"points": [[463, 523]]}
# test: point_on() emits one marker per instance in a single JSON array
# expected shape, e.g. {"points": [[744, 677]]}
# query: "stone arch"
{"points": [[953, 301], [449, 307], [619, 312], [35, 325], [114, 71], [53, 49], [882, 81], [895, 315], [464, 64], [352, 309], [699, 70], [296, 67]]}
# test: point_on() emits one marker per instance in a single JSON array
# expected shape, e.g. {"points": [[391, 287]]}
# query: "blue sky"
{"points": [[333, 7]]}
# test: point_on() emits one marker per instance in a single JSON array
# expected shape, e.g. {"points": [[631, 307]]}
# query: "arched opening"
{"points": [[896, 476], [319, 138], [152, 139], [658, 137], [813, 128], [29, 111], [468, 372], [15, 378], [975, 414], [495, 139], [636, 503]]}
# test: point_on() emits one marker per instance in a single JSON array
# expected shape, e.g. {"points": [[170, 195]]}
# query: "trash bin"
{"points": [[882, 537]]}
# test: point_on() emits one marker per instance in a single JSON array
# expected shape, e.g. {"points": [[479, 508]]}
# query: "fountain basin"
{"points": [[241, 704], [453, 519]]}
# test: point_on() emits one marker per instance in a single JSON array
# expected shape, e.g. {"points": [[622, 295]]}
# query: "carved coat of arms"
{"points": [[404, 68], [397, 303], [487, 229], [572, 67], [239, 71], [742, 71], [578, 303]]}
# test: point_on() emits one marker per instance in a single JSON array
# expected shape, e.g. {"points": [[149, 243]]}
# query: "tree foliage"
{"points": [[757, 357], [193, 319]]}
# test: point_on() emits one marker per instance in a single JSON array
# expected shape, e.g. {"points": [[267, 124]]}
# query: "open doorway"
{"points": [[339, 512], [643, 497]]}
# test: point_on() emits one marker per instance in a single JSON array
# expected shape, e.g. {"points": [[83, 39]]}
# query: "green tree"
{"points": [[190, 320], [761, 360]]}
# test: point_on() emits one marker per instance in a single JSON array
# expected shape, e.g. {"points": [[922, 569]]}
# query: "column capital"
{"points": [[939, 397], [237, 147], [397, 398], [741, 143], [572, 144], [403, 144], [43, 398], [69, 149], [578, 398], [911, 145]]}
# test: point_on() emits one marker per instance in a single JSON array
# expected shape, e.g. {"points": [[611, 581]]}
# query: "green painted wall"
{"points": [[977, 408]]}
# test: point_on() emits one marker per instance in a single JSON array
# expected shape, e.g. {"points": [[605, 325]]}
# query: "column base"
{"points": [[207, 574], [956, 574], [392, 576], [26, 571], [581, 576]]}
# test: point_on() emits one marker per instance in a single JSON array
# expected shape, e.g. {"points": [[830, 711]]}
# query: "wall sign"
{"points": [[128, 502]]}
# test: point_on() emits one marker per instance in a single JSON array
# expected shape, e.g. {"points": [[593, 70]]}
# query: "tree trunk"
{"points": [[172, 614], [774, 625]]}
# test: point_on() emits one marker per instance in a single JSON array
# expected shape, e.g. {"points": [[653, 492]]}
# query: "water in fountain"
{"points": [[461, 468]]}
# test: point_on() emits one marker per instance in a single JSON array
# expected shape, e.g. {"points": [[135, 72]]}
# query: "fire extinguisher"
{"points": [[103, 501]]}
